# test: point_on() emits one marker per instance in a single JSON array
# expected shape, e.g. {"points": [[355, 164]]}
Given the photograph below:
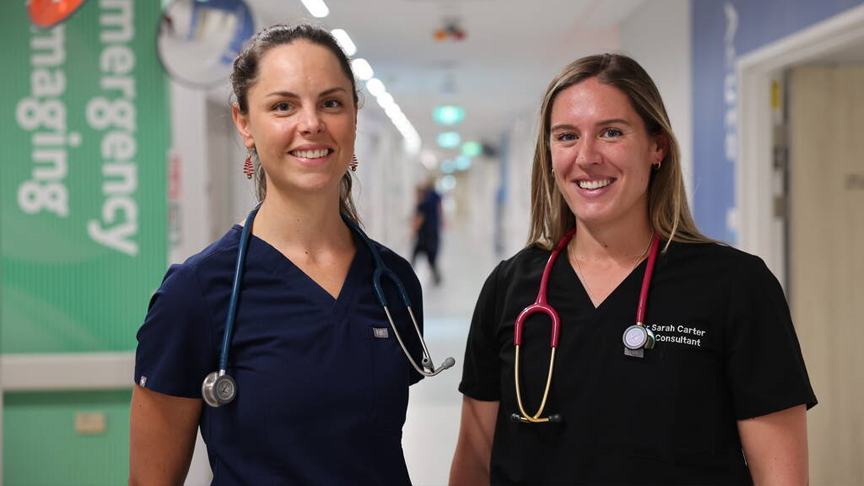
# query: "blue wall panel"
{"points": [[754, 24]]}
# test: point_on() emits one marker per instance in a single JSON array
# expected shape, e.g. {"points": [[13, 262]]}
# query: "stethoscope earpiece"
{"points": [[218, 389]]}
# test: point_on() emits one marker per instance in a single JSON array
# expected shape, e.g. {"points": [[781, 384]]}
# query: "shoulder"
{"points": [[217, 258], [397, 264], [214, 253], [531, 259], [718, 258], [393, 260]]}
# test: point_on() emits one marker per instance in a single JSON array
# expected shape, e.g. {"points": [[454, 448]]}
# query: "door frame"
{"points": [[759, 232]]}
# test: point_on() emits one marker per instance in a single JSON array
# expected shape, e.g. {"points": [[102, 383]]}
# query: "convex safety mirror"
{"points": [[199, 39]]}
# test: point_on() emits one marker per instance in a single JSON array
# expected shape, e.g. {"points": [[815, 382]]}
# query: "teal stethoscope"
{"points": [[219, 388]]}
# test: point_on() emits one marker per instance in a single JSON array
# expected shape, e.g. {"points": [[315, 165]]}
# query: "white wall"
{"points": [[520, 158], [385, 179], [190, 145], [657, 36]]}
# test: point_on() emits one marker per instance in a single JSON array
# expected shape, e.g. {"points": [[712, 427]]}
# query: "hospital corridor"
{"points": [[631, 230]]}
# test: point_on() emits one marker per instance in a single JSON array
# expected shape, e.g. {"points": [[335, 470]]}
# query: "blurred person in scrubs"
{"points": [[428, 219]]}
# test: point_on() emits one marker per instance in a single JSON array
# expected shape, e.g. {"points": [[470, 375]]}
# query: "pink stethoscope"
{"points": [[636, 338]]}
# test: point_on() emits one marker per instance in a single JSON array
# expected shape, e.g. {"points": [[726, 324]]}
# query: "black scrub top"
{"points": [[726, 350], [321, 395]]}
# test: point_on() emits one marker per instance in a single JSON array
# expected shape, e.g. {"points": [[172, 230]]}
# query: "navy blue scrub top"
{"points": [[321, 397]]}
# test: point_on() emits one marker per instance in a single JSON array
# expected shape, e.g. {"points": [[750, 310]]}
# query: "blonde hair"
{"points": [[668, 211]]}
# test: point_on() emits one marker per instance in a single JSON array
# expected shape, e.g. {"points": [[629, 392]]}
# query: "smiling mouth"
{"points": [[311, 154], [594, 184]]}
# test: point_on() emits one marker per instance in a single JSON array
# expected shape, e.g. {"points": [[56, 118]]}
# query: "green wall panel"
{"points": [[42, 448], [83, 204]]}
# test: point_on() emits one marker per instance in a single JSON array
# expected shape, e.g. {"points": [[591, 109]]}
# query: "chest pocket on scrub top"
{"points": [[389, 376]]}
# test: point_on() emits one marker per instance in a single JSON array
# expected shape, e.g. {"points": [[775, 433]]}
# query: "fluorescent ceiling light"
{"points": [[375, 87], [344, 41], [316, 7], [463, 162], [429, 160], [395, 113], [448, 115], [449, 139], [472, 149], [362, 69], [413, 144], [448, 183], [385, 100]]}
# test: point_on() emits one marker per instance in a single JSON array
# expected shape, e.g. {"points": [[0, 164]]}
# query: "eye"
{"points": [[612, 133], [565, 137], [334, 103], [282, 106]]}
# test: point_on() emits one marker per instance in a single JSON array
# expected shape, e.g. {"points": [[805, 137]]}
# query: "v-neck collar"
{"points": [[638, 271], [292, 275]]}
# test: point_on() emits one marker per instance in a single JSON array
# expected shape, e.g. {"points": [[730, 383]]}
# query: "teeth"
{"points": [[594, 184], [310, 154]]}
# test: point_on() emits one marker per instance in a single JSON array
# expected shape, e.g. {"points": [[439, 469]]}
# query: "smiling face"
{"points": [[301, 118], [601, 153]]}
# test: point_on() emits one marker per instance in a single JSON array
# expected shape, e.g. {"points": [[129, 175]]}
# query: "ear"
{"points": [[241, 121], [660, 148]]}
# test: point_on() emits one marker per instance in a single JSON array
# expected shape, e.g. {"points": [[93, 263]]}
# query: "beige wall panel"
{"points": [[826, 265]]}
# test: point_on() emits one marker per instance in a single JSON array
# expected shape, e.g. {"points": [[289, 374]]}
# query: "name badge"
{"points": [[381, 332]]}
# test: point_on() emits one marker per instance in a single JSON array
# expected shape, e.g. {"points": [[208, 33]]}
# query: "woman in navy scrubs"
{"points": [[721, 396], [322, 384]]}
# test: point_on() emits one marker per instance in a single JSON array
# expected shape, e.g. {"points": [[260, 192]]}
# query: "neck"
{"points": [[308, 223], [621, 243]]}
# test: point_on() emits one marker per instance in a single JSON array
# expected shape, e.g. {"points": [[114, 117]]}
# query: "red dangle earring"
{"points": [[248, 168], [353, 163]]}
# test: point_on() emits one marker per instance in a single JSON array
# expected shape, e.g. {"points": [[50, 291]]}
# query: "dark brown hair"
{"points": [[245, 75]]}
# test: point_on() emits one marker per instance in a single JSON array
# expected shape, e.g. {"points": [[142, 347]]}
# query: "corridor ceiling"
{"points": [[511, 51]]}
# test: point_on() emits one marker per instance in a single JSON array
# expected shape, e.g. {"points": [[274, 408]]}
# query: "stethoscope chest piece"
{"points": [[636, 339], [218, 389]]}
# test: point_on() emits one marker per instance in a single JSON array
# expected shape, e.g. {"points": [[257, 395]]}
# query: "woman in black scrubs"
{"points": [[707, 387], [321, 382]]}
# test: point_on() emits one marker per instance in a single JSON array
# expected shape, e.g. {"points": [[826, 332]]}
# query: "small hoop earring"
{"points": [[354, 163]]}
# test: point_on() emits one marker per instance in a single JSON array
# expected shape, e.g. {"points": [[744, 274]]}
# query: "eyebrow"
{"points": [[288, 94], [611, 121]]}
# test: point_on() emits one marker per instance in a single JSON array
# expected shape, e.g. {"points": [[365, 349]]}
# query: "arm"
{"points": [[775, 446], [162, 433], [474, 447]]}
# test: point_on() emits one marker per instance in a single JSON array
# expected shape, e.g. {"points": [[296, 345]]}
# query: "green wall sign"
{"points": [[85, 123]]}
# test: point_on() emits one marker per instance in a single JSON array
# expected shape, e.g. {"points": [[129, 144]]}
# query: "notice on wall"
{"points": [[86, 131]]}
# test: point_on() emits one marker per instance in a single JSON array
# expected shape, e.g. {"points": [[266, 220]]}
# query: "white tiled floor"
{"points": [[430, 432]]}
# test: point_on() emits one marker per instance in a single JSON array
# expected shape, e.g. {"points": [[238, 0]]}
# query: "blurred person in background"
{"points": [[428, 219], [321, 382], [677, 361]]}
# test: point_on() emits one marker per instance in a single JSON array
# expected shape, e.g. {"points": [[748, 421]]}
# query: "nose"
{"points": [[311, 121], [587, 152]]}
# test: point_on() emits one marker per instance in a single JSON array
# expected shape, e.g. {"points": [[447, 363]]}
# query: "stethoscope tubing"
{"points": [[646, 281], [235, 288], [541, 305], [381, 270]]}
